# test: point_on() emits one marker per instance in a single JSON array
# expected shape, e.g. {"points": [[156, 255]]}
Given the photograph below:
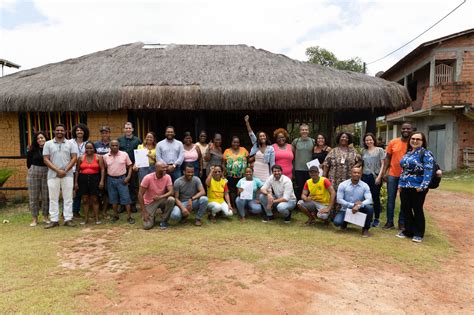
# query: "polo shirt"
{"points": [[281, 188], [60, 155], [117, 164], [155, 186]]}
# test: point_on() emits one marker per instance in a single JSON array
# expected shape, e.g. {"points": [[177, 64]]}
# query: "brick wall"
{"points": [[465, 135], [10, 146]]}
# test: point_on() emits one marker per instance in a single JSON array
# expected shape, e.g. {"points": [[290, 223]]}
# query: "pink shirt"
{"points": [[117, 164], [154, 186], [284, 158]]}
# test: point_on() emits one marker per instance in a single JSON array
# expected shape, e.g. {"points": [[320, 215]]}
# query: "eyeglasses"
{"points": [[416, 139]]}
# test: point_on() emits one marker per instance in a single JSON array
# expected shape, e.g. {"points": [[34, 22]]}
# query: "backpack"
{"points": [[435, 179]]}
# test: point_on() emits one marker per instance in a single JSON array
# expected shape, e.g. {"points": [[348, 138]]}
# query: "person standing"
{"points": [[235, 161], [277, 193], [89, 180], [192, 154], [354, 195], [283, 151], [321, 149], [102, 146], [149, 145], [213, 154], [374, 159], [303, 151], [119, 173], [262, 153], [171, 152], [60, 156], [417, 169], [395, 151], [128, 143], [203, 145], [80, 136], [156, 197], [37, 179], [318, 197], [189, 196]]}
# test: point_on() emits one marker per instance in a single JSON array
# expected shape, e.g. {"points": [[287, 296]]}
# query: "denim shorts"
{"points": [[118, 190]]}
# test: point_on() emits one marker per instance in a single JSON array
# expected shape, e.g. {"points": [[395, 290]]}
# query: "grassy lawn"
{"points": [[459, 181], [32, 281]]}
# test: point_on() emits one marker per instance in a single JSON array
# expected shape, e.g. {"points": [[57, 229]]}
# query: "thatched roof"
{"points": [[194, 77]]}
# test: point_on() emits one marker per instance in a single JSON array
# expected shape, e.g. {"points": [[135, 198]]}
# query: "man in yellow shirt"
{"points": [[318, 196]]}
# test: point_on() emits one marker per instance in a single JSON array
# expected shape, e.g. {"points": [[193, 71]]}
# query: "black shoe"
{"points": [[401, 226], [115, 218], [51, 225], [69, 223], [388, 226], [121, 209], [267, 218], [76, 215], [288, 218], [131, 220]]}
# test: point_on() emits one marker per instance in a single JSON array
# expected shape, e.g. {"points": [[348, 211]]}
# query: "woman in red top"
{"points": [[89, 180], [283, 152]]}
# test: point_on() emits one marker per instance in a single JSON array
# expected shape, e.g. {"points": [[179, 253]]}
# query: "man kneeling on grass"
{"points": [[189, 195], [354, 195], [282, 199], [155, 196], [318, 197]]}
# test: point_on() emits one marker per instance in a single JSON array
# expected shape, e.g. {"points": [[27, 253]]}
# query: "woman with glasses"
{"points": [[417, 168]]}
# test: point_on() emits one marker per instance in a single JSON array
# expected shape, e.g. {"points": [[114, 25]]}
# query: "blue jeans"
{"points": [[375, 191], [368, 209], [284, 208], [176, 174], [143, 171], [252, 205], [198, 205], [392, 188]]}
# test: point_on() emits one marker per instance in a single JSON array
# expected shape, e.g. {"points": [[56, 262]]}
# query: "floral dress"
{"points": [[340, 163]]}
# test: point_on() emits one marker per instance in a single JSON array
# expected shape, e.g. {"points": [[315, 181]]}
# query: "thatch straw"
{"points": [[194, 77]]}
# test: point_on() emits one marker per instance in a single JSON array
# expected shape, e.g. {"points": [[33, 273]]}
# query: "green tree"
{"points": [[324, 57]]}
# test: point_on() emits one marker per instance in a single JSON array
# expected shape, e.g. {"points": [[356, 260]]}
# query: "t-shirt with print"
{"points": [[187, 189], [397, 149], [217, 190], [236, 163], [303, 152], [155, 186], [257, 184]]}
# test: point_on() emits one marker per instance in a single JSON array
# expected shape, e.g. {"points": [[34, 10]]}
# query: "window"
{"points": [[444, 73], [30, 123]]}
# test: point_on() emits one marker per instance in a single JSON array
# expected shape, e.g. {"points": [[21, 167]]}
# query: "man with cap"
{"points": [[318, 196]]}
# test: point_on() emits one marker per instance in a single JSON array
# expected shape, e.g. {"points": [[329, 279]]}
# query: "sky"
{"points": [[38, 32]]}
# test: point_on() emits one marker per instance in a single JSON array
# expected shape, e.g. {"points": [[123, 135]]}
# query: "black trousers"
{"points": [[411, 203], [300, 178]]}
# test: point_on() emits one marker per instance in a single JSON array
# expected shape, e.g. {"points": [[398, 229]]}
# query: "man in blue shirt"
{"points": [[354, 195], [171, 151]]}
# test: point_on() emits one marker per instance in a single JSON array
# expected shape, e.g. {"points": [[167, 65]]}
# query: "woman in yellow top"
{"points": [[150, 145], [217, 193]]}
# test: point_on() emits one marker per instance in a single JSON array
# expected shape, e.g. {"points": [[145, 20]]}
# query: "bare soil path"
{"points": [[235, 287]]}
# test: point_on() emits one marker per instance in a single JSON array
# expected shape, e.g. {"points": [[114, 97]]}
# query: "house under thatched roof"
{"points": [[195, 77]]}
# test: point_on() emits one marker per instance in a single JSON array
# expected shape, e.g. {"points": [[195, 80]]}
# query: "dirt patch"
{"points": [[237, 287], [92, 254]]}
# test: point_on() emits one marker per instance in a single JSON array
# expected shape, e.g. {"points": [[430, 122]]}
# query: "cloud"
{"points": [[348, 28]]}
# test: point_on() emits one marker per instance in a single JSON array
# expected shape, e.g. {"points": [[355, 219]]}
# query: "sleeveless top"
{"points": [[89, 168], [284, 158], [318, 191], [191, 155], [320, 156]]}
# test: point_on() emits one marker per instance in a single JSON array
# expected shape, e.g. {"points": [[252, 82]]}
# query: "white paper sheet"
{"points": [[315, 162], [247, 193], [141, 158], [357, 218]]}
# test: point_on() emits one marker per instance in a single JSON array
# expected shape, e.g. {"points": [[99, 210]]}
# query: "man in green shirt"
{"points": [[303, 152]]}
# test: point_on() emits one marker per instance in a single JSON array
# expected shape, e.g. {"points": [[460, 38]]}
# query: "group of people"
{"points": [[269, 180]]}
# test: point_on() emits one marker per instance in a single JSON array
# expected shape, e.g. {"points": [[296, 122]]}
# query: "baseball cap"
{"points": [[314, 168], [105, 128]]}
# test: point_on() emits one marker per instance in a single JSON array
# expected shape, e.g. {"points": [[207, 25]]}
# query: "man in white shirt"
{"points": [[278, 193]]}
